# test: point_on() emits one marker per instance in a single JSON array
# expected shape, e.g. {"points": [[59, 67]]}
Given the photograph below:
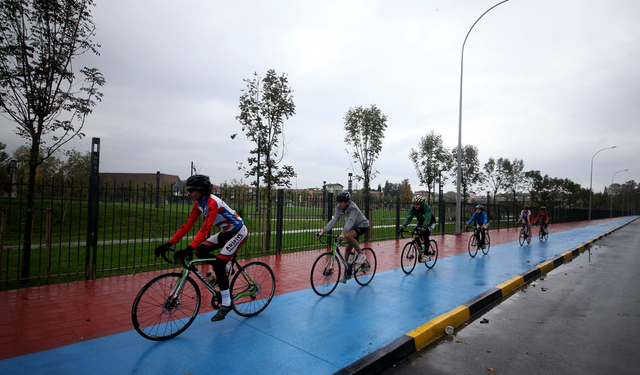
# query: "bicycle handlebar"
{"points": [[401, 232], [326, 242], [164, 255], [172, 261]]}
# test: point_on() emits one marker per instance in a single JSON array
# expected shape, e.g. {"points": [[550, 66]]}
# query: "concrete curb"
{"points": [[429, 332]]}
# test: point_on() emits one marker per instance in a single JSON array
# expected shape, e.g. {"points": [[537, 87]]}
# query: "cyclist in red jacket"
{"points": [[543, 216], [233, 234]]}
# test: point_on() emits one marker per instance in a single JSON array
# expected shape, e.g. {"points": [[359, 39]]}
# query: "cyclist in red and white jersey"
{"points": [[233, 234], [526, 217]]}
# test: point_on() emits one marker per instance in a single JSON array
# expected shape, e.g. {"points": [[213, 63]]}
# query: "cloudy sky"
{"points": [[547, 81]]}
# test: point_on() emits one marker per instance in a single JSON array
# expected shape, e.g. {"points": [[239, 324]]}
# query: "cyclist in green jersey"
{"points": [[426, 221]]}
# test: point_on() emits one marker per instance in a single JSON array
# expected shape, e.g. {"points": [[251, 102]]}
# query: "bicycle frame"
{"points": [[543, 227], [185, 273], [417, 239], [336, 251], [191, 268]]}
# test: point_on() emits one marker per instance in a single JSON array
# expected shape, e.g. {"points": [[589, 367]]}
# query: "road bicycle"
{"points": [[411, 254], [326, 270], [524, 234], [474, 242], [543, 234], [168, 304]]}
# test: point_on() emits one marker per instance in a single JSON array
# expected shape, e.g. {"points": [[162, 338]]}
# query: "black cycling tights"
{"points": [[221, 274]]}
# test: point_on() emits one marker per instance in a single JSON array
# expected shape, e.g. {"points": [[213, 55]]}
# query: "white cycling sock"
{"points": [[226, 299]]}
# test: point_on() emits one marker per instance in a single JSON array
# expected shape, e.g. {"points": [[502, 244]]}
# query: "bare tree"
{"points": [[39, 39]]}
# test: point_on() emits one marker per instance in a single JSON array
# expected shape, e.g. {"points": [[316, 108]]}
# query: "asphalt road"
{"points": [[581, 318]]}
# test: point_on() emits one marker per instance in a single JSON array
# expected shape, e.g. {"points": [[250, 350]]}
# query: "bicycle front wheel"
{"points": [[473, 245], [157, 316], [432, 255], [487, 243], [546, 234], [366, 270], [252, 289], [541, 234], [521, 239], [325, 274], [409, 257]]}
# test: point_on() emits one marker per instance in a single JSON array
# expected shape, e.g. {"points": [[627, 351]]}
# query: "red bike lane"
{"points": [[51, 316]]}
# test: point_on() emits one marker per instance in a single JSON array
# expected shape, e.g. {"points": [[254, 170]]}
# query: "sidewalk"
{"points": [[47, 317]]}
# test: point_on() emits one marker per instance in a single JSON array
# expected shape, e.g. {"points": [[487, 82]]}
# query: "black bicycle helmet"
{"points": [[343, 196], [199, 181], [543, 208], [480, 207], [526, 207]]}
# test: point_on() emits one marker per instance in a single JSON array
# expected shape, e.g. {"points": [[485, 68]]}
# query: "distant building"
{"points": [[334, 188]]}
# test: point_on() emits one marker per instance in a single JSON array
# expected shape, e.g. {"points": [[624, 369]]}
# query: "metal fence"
{"points": [[74, 239]]}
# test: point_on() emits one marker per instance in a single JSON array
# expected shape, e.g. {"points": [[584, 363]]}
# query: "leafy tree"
{"points": [[496, 175], [391, 189], [515, 177], [4, 157], [39, 39], [77, 168], [365, 130], [236, 191], [407, 193], [541, 187], [47, 169], [470, 166], [430, 159], [4, 169], [264, 105]]}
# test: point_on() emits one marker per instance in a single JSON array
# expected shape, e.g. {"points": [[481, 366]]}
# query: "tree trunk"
{"points": [[28, 227], [267, 226]]}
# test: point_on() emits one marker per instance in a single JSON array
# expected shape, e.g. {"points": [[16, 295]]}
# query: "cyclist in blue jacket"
{"points": [[480, 217]]}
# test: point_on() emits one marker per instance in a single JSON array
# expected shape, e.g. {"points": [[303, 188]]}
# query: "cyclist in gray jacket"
{"points": [[355, 224]]}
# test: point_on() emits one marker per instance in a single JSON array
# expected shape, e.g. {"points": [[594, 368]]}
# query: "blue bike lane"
{"points": [[302, 333]]}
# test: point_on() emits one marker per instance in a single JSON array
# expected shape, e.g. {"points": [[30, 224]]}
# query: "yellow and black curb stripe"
{"points": [[429, 332]]}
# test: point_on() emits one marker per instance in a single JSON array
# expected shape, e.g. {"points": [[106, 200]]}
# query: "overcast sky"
{"points": [[547, 81]]}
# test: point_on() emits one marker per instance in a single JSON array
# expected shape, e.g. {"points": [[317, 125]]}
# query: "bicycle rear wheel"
{"points": [[252, 289], [521, 239], [409, 257], [325, 274], [365, 271], [487, 243], [158, 317], [473, 245], [432, 254]]}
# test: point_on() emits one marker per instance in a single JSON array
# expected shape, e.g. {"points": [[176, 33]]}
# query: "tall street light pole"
{"points": [[611, 199], [459, 180], [591, 177]]}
